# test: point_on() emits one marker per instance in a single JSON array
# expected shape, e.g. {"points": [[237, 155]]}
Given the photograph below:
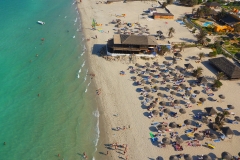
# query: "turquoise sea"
{"points": [[47, 103]]}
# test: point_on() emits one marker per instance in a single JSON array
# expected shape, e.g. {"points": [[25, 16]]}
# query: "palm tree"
{"points": [[220, 75], [163, 50], [221, 14], [219, 120], [201, 37], [201, 55], [197, 72], [182, 46], [171, 31]]}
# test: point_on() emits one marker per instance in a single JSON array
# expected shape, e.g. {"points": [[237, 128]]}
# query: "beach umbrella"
{"points": [[183, 86], [166, 79], [160, 94], [154, 80], [143, 81], [207, 157], [237, 118], [155, 87], [188, 157], [138, 69], [162, 103], [182, 111], [179, 140], [170, 68], [176, 102], [210, 111], [165, 62], [192, 100], [197, 92], [173, 73], [173, 93], [230, 106], [183, 71], [173, 158], [227, 131], [205, 120], [239, 154], [213, 126], [202, 99], [153, 105], [155, 112], [152, 74], [188, 66], [221, 96], [156, 63], [161, 127], [214, 89], [177, 54], [169, 86], [173, 125], [166, 140], [166, 110], [141, 75], [202, 80], [226, 156], [133, 78], [213, 136], [198, 136], [187, 122], [147, 64], [149, 96], [178, 67], [174, 61], [193, 84], [187, 93], [147, 89]]}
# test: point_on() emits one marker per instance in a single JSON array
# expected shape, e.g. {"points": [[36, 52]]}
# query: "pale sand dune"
{"points": [[119, 96]]}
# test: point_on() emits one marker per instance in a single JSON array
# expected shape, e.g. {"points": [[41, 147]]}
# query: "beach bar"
{"points": [[163, 16], [129, 44], [231, 70]]}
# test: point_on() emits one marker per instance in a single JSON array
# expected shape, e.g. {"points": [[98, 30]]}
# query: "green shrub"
{"points": [[217, 83], [226, 42], [208, 39], [212, 54]]}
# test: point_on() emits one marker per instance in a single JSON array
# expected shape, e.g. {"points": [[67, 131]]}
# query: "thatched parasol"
{"points": [[210, 111], [166, 140], [155, 112], [169, 86], [173, 158], [221, 96], [153, 105], [202, 80], [154, 80], [192, 100], [149, 96], [160, 94], [170, 68], [226, 156], [156, 63], [152, 74], [176, 102], [193, 85], [198, 136], [230, 106], [147, 64], [187, 93], [161, 127], [156, 87], [188, 157], [182, 71], [183, 86], [173, 73], [162, 103], [196, 91], [141, 75], [213, 126], [137, 65], [143, 81], [182, 111], [133, 78], [237, 118], [173, 93], [138, 69], [173, 125], [213, 136], [187, 122], [202, 99], [166, 79], [188, 66], [227, 131], [179, 140], [214, 89], [166, 110], [147, 89], [207, 157], [178, 67], [174, 61], [205, 120], [177, 54]]}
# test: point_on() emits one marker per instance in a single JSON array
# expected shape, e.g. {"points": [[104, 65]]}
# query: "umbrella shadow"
{"points": [[212, 155], [143, 107], [184, 137], [168, 58], [146, 114], [160, 158], [237, 133], [162, 88], [182, 102], [141, 98], [138, 89], [135, 84], [219, 109], [152, 129], [196, 111], [155, 143], [178, 94], [108, 146]]}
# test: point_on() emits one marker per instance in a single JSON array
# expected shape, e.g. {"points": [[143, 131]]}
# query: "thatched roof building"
{"points": [[227, 67]]}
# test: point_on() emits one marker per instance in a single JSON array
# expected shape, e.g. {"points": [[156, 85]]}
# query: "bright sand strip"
{"points": [[119, 96]]}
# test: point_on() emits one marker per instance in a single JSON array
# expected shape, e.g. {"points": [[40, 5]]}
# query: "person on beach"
{"points": [[96, 36], [58, 155], [107, 153]]}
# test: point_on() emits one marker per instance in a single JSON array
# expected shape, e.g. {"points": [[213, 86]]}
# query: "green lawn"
{"points": [[232, 49]]}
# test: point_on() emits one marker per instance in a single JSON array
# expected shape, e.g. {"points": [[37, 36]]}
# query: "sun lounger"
{"points": [[188, 131], [216, 140]]}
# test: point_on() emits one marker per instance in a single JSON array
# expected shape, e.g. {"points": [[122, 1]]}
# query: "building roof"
{"points": [[230, 19], [134, 39], [226, 66], [212, 4], [163, 14]]}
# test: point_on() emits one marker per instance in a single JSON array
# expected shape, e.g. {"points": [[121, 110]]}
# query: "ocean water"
{"points": [[47, 103]]}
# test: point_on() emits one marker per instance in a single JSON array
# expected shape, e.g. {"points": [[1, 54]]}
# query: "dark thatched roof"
{"points": [[134, 39], [210, 110], [230, 19], [226, 66], [227, 131], [212, 4], [202, 80]]}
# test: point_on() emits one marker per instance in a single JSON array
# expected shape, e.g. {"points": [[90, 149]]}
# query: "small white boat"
{"points": [[41, 22]]}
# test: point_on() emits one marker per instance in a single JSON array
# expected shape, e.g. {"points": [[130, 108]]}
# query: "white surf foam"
{"points": [[86, 90], [75, 20], [85, 78], [83, 64], [96, 114], [78, 76], [79, 71], [82, 53], [74, 36], [65, 17]]}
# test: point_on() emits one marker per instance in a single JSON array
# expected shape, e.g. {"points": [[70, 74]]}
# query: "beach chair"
{"points": [[210, 146]]}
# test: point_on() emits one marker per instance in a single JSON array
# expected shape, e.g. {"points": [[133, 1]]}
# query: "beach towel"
{"points": [[151, 135]]}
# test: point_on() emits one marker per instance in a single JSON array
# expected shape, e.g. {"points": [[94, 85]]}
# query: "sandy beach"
{"points": [[120, 102]]}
